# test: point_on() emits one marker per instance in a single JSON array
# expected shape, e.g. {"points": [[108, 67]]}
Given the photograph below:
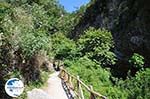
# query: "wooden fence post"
{"points": [[71, 83], [60, 74], [76, 85], [80, 91], [65, 76], [91, 94]]}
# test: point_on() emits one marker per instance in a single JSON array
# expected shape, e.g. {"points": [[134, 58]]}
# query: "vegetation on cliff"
{"points": [[34, 31]]}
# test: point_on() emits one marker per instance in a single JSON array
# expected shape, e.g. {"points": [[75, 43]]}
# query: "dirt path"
{"points": [[54, 90]]}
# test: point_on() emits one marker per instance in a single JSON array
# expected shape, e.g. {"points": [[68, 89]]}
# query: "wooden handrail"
{"points": [[67, 77]]}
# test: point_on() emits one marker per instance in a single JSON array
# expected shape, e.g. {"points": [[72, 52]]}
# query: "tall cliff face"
{"points": [[128, 20]]}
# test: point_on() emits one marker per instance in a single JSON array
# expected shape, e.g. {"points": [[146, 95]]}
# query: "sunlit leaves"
{"points": [[31, 44], [97, 44], [62, 46], [137, 61]]}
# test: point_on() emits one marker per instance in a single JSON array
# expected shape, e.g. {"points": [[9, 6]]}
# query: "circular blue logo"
{"points": [[14, 87]]}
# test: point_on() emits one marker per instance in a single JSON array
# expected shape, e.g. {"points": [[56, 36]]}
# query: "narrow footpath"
{"points": [[54, 90]]}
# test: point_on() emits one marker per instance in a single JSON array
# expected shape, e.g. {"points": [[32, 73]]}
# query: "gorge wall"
{"points": [[129, 22]]}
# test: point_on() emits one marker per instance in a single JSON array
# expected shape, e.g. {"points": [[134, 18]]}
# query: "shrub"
{"points": [[31, 44], [137, 61], [138, 87], [90, 72], [93, 74], [97, 44], [63, 47], [116, 93]]}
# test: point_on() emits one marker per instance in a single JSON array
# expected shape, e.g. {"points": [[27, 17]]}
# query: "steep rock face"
{"points": [[128, 20]]}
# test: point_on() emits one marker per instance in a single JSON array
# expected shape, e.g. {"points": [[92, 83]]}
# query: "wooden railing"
{"points": [[78, 87]]}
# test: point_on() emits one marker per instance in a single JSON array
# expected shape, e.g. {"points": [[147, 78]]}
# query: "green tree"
{"points": [[63, 47], [97, 45]]}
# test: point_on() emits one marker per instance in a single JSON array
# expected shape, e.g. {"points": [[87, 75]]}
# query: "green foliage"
{"points": [[93, 74], [66, 23], [31, 44], [116, 93], [90, 71], [97, 44], [29, 26], [137, 87], [25, 29], [137, 61], [4, 9], [18, 32], [62, 46]]}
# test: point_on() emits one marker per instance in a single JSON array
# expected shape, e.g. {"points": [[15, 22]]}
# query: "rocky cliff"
{"points": [[128, 20]]}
